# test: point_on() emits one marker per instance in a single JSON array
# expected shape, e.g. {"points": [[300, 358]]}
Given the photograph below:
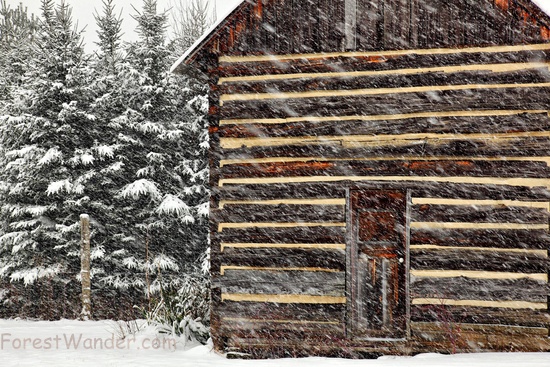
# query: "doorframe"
{"points": [[350, 263]]}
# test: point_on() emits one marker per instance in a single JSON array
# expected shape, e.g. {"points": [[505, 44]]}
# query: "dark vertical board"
{"points": [[370, 24], [413, 23]]}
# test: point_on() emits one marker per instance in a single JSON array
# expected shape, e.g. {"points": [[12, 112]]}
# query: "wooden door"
{"points": [[377, 263]]}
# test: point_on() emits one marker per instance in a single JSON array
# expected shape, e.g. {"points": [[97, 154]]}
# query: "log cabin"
{"points": [[380, 176]]}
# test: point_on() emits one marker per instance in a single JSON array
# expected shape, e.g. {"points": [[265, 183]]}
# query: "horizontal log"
{"points": [[332, 246], [424, 148], [281, 258], [224, 226], [476, 213], [462, 288], [301, 191], [282, 298], [281, 192], [470, 88], [279, 331], [450, 100], [389, 168], [527, 239], [377, 117], [533, 73], [446, 124], [517, 181], [283, 282], [284, 235], [373, 62], [282, 311], [282, 213], [443, 259], [470, 328], [479, 315]]}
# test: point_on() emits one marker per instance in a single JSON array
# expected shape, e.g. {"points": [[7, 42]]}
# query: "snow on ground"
{"points": [[94, 343]]}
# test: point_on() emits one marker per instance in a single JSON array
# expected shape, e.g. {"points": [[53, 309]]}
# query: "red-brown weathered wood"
{"points": [[425, 148], [445, 168], [377, 282]]}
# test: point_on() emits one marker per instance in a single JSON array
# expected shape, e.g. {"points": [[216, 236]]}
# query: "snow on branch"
{"points": [[174, 205], [29, 276], [140, 188]]}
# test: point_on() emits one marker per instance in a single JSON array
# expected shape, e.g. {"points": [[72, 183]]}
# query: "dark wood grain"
{"points": [[461, 288], [284, 258], [534, 75], [537, 98], [475, 213], [510, 238], [422, 147], [379, 62], [337, 190], [443, 259], [284, 235], [521, 122], [282, 213], [480, 315], [283, 282], [283, 311]]}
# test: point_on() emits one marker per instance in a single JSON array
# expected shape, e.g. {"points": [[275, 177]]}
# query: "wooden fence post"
{"points": [[86, 313]]}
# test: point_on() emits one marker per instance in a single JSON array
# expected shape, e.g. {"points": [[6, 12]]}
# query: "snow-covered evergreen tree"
{"points": [[117, 137], [48, 151], [163, 157], [110, 234], [17, 31]]}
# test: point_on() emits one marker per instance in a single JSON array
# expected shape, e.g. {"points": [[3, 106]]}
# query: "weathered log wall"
{"points": [[445, 100], [466, 132]]}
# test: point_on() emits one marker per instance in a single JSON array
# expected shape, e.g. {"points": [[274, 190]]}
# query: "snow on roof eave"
{"points": [[191, 51]]}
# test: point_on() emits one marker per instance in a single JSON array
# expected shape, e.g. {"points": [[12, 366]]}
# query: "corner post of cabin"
{"points": [[211, 63], [408, 214], [349, 265]]}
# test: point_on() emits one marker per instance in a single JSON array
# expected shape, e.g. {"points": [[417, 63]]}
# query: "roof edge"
{"points": [[188, 57]]}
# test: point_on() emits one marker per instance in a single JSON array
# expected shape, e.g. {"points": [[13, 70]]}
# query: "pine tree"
{"points": [[47, 156], [163, 127], [17, 32], [113, 267], [110, 35]]}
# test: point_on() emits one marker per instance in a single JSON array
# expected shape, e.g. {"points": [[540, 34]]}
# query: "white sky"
{"points": [[84, 10]]}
